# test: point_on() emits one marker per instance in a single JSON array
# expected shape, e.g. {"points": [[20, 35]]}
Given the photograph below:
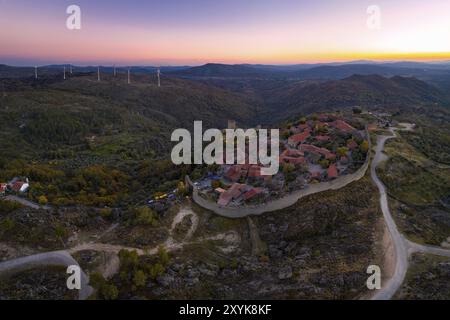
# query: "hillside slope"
{"points": [[367, 91]]}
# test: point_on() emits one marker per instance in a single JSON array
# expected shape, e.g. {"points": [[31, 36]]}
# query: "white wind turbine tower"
{"points": [[129, 80], [71, 69], [35, 73], [115, 71], [64, 72], [158, 72], [98, 73]]}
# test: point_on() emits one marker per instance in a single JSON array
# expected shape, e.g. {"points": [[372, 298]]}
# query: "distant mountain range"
{"points": [[258, 93]]}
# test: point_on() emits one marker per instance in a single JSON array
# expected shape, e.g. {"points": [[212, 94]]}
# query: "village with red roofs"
{"points": [[313, 150]]}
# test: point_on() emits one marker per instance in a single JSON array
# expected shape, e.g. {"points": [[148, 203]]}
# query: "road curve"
{"points": [[403, 247], [401, 253], [56, 258]]}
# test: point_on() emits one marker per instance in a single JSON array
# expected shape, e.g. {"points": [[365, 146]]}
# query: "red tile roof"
{"points": [[292, 153], [224, 199], [3, 187], [17, 186], [293, 160], [344, 126], [252, 193], [313, 149], [233, 193], [236, 190], [315, 174], [309, 148], [329, 155], [234, 173], [255, 171], [299, 138], [332, 171]]}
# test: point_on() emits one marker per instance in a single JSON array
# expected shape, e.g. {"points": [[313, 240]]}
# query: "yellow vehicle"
{"points": [[161, 197]]}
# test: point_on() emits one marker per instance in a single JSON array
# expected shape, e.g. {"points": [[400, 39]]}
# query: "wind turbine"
{"points": [[64, 72], [115, 71], [35, 73], [98, 73], [129, 80], [71, 69], [158, 72]]}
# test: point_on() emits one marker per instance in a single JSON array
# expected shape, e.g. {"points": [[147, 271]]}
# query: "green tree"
{"points": [[181, 189], [109, 292], [129, 260], [288, 168], [156, 270], [163, 256], [42, 200], [105, 212], [342, 151], [105, 290], [364, 146], [144, 216], [7, 225], [139, 278], [324, 163]]}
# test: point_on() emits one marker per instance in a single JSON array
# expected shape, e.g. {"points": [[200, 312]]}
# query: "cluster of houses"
{"points": [[17, 185], [314, 150], [238, 193]]}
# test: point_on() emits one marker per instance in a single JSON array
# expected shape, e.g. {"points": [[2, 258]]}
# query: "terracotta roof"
{"points": [[252, 193], [344, 126], [292, 153], [313, 149], [293, 160], [315, 174], [309, 148], [17, 186], [3, 187], [332, 171], [254, 171], [234, 173], [224, 199], [236, 190], [329, 155], [299, 138]]}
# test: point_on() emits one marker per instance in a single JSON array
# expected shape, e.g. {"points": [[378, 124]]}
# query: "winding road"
{"points": [[26, 202], [64, 257], [403, 247], [56, 258]]}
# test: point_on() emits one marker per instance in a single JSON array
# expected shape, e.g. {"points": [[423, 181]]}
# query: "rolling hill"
{"points": [[50, 113], [369, 91]]}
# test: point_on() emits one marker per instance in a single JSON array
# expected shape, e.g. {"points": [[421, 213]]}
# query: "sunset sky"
{"points": [[194, 32]]}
